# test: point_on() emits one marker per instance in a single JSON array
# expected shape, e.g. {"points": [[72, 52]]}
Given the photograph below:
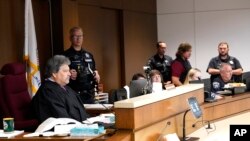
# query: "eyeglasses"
{"points": [[77, 36]]}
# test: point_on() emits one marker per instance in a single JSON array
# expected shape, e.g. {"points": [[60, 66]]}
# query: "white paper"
{"points": [[62, 127], [10, 135], [98, 106], [157, 87], [105, 118], [51, 122]]}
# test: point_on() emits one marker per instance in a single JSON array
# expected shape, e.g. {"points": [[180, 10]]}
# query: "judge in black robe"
{"points": [[54, 98]]}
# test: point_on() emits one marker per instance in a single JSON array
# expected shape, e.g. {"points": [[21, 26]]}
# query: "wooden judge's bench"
{"points": [[143, 118]]}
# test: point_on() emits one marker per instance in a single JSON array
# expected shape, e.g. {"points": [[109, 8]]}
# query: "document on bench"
{"points": [[10, 135], [104, 118], [98, 106], [61, 126]]}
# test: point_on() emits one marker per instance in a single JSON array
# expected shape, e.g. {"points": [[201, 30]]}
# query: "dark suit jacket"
{"points": [[51, 100]]}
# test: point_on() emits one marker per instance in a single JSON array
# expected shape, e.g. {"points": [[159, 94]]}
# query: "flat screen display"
{"points": [[194, 107]]}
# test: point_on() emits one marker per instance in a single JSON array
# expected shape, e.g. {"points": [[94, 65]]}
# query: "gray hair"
{"points": [[224, 65], [54, 64]]}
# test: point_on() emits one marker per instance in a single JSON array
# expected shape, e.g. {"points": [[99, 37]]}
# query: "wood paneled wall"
{"points": [[12, 30], [121, 34]]}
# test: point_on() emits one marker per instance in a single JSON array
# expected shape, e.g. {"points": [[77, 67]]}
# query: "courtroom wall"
{"points": [[204, 24], [121, 34], [12, 31]]}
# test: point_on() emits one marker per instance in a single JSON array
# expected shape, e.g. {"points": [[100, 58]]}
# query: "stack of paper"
{"points": [[102, 97], [10, 135], [98, 106], [104, 118]]}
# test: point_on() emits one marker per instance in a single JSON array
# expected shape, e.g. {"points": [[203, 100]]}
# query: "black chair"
{"points": [[136, 87], [208, 96], [246, 80], [117, 95]]}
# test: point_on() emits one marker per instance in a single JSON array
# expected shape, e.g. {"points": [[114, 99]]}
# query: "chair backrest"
{"points": [[246, 79], [4, 112], [15, 91], [117, 95], [206, 82], [136, 87]]}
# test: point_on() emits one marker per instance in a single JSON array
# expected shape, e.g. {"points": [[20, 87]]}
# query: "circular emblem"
{"points": [[231, 62], [216, 85]]}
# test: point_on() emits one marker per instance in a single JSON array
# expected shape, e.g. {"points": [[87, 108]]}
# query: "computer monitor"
{"points": [[208, 96], [206, 82], [246, 80], [136, 87], [194, 107]]}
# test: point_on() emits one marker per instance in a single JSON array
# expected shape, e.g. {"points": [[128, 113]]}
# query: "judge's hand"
{"points": [[73, 74]]}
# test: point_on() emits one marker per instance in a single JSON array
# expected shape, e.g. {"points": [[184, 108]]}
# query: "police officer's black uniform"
{"points": [[218, 84], [83, 62], [161, 64], [216, 63]]}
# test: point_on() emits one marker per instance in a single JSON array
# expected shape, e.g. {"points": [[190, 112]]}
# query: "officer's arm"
{"points": [[213, 71], [238, 71]]}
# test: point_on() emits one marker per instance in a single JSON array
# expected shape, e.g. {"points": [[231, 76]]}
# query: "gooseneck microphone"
{"points": [[184, 126]]}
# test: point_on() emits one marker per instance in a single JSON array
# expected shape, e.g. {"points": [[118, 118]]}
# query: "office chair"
{"points": [[4, 112], [117, 95], [16, 98], [246, 79]]}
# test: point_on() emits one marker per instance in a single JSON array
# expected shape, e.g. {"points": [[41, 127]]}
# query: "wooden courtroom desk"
{"points": [[102, 137], [228, 105], [151, 113], [138, 121], [145, 116]]}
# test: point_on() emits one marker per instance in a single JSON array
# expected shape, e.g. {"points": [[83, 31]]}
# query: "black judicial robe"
{"points": [[51, 100]]}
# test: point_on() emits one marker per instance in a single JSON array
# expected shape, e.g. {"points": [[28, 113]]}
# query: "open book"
{"points": [[61, 127]]}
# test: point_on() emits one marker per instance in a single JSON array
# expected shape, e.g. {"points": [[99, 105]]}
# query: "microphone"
{"points": [[184, 138], [107, 108]]}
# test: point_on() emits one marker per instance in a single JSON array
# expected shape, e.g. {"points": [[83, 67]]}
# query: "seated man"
{"points": [[54, 98], [224, 78]]}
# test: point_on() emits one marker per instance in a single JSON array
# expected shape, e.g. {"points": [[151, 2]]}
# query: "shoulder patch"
{"points": [[216, 85], [87, 55]]}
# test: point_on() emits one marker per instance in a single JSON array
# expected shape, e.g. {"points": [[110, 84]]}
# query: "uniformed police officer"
{"points": [[161, 62], [215, 63], [224, 78], [84, 76]]}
